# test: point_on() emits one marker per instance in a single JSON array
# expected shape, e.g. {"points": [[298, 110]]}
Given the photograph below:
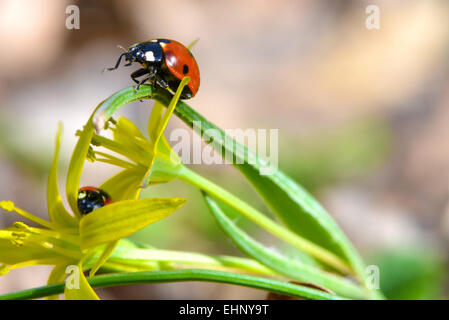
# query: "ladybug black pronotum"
{"points": [[92, 198], [164, 62]]}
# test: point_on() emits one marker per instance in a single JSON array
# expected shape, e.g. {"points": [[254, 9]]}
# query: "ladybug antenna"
{"points": [[121, 47]]}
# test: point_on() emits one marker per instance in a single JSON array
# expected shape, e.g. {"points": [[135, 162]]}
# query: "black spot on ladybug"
{"points": [[185, 69]]}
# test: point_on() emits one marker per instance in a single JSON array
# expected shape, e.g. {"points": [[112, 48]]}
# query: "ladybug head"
{"points": [[146, 53], [135, 53]]}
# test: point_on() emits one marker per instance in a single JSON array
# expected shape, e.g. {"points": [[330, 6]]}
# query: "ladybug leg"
{"points": [[139, 73], [149, 77], [161, 81], [150, 72]]}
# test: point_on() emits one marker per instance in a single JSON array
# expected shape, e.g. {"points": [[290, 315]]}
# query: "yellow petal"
{"points": [[76, 166], [127, 134], [155, 119], [104, 256], [57, 275], [77, 162], [158, 123], [13, 254], [56, 210], [172, 105], [121, 219], [124, 185], [76, 285]]}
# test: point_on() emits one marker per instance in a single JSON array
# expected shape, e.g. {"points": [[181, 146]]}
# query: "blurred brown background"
{"points": [[362, 116]]}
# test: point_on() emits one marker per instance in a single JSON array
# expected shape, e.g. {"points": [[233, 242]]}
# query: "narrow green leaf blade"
{"points": [[296, 208], [290, 268]]}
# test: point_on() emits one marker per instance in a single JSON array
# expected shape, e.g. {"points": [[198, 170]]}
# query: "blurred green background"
{"points": [[362, 118]]}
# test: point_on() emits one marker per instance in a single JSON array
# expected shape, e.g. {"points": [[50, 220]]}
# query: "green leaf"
{"points": [[299, 211], [121, 219], [290, 268], [264, 221], [56, 210], [418, 273]]}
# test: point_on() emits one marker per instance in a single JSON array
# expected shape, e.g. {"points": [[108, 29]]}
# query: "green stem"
{"points": [[180, 275], [262, 220]]}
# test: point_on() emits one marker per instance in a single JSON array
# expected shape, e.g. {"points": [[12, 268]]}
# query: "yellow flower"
{"points": [[87, 241]]}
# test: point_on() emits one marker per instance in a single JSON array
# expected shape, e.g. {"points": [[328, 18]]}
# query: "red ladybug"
{"points": [[165, 62], [92, 198]]}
